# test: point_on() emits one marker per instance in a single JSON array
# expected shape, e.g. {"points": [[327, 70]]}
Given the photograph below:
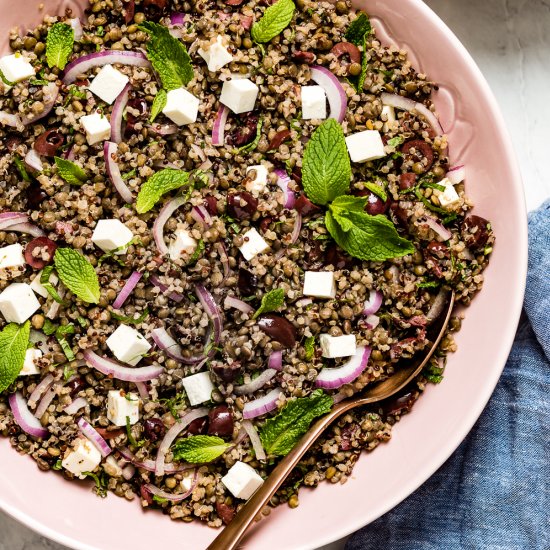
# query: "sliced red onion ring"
{"points": [[372, 321], [372, 305], [54, 308], [256, 384], [70, 154], [24, 418], [46, 401], [127, 289], [117, 114], [89, 431], [199, 152], [218, 131], [297, 228], [175, 296], [235, 303], [8, 219], [201, 216], [336, 95], [164, 215], [172, 433], [33, 161], [275, 360], [76, 405], [437, 306], [442, 231], [262, 405], [283, 181], [142, 390], [224, 258], [167, 344], [255, 440], [9, 119], [303, 302], [177, 18], [153, 489], [149, 465], [77, 28], [456, 174], [113, 171], [99, 59], [163, 129], [115, 370], [332, 378], [41, 387], [128, 472], [214, 314], [28, 228], [50, 94]]}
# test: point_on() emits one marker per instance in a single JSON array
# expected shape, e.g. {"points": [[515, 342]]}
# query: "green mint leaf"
{"points": [[396, 141], [433, 373], [197, 254], [168, 56], [281, 433], [71, 172], [275, 20], [326, 168], [131, 320], [254, 144], [271, 301], [158, 104], [158, 185], [49, 327], [357, 33], [309, 346], [428, 284], [45, 282], [59, 45], [14, 340], [21, 168], [378, 190], [366, 237], [348, 203], [61, 336], [198, 449], [77, 274]]}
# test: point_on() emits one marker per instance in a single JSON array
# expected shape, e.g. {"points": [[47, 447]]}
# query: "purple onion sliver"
{"points": [[117, 114], [336, 94], [255, 440], [127, 289], [158, 226], [153, 489], [76, 405], [113, 369], [333, 378], [275, 360], [175, 296], [262, 405], [235, 303], [441, 231], [218, 131], [90, 432], [24, 418], [45, 402], [283, 181], [372, 305], [457, 174], [113, 171], [257, 384]]}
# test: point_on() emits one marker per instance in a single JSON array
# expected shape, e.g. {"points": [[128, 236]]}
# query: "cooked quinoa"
{"points": [[451, 246]]}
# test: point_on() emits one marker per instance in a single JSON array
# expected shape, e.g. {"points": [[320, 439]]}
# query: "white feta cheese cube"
{"points": [[216, 55], [242, 480], [314, 102], [84, 457], [253, 244], [30, 366], [256, 182], [121, 405], [365, 146], [337, 346], [11, 256], [16, 68], [18, 303], [108, 84], [320, 284], [239, 94], [184, 243], [448, 198], [97, 128], [181, 107], [198, 388], [110, 235], [37, 286], [128, 345]]}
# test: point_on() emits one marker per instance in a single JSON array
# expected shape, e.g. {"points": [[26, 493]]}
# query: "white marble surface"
{"points": [[510, 40]]}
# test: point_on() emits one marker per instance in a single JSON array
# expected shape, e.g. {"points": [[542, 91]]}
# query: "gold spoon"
{"points": [[233, 533]]}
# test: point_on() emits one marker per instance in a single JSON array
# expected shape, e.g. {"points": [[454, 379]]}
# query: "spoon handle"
{"points": [[232, 533]]}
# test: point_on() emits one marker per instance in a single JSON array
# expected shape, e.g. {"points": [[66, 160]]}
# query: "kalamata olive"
{"points": [[241, 205], [303, 57], [475, 232], [279, 328], [406, 181], [211, 204], [227, 372], [155, 8], [297, 174], [247, 282], [39, 252], [314, 253], [137, 109], [234, 2], [305, 206], [350, 50], [265, 223], [154, 429], [130, 129], [75, 385], [400, 215], [35, 195], [400, 404], [220, 421], [278, 139], [245, 133], [199, 426], [49, 142], [226, 512], [375, 205], [12, 142], [336, 257], [418, 150], [438, 250], [129, 11]]}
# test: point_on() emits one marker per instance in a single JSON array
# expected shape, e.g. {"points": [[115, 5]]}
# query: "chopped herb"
{"points": [[254, 144], [82, 322], [131, 320], [38, 82], [309, 346], [396, 141], [61, 336], [174, 404], [433, 372], [428, 284], [271, 301], [130, 174], [159, 500], [158, 104], [45, 282], [70, 171], [58, 465], [100, 31], [197, 253], [113, 253], [100, 483], [67, 372], [131, 439], [14, 340], [378, 190], [20, 165], [49, 327], [428, 204], [358, 33], [158, 185]]}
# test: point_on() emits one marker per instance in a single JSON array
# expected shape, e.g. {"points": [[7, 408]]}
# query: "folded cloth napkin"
{"points": [[494, 492]]}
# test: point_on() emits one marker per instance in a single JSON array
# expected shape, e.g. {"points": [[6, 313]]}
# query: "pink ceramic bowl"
{"points": [[70, 514]]}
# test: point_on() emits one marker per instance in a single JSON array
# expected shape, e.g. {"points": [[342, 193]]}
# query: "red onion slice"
{"points": [[9, 119], [255, 440], [27, 228], [128, 472], [437, 307], [214, 314], [332, 378], [149, 465], [456, 174], [201, 216], [172, 433], [89, 431], [163, 129], [50, 94], [283, 181], [256, 384], [113, 171], [117, 114], [336, 95], [218, 131], [24, 418], [177, 18], [153, 489], [76, 405], [164, 215], [45, 402], [224, 258], [33, 161], [235, 303], [372, 321], [175, 296], [372, 305], [297, 228], [262, 405], [77, 28], [441, 231], [99, 59], [115, 370], [41, 387], [167, 344], [142, 390], [127, 289], [7, 219], [275, 360]]}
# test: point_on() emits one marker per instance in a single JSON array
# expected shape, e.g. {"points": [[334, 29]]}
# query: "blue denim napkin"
{"points": [[494, 492]]}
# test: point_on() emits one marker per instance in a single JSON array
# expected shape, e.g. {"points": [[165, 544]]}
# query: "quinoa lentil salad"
{"points": [[218, 219]]}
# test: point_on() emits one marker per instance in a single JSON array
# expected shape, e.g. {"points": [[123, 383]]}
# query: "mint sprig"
{"points": [[59, 45], [281, 433], [275, 20], [271, 301], [14, 340], [158, 185], [70, 172], [326, 168], [199, 449], [158, 104], [357, 33], [77, 274], [168, 56], [45, 282]]}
